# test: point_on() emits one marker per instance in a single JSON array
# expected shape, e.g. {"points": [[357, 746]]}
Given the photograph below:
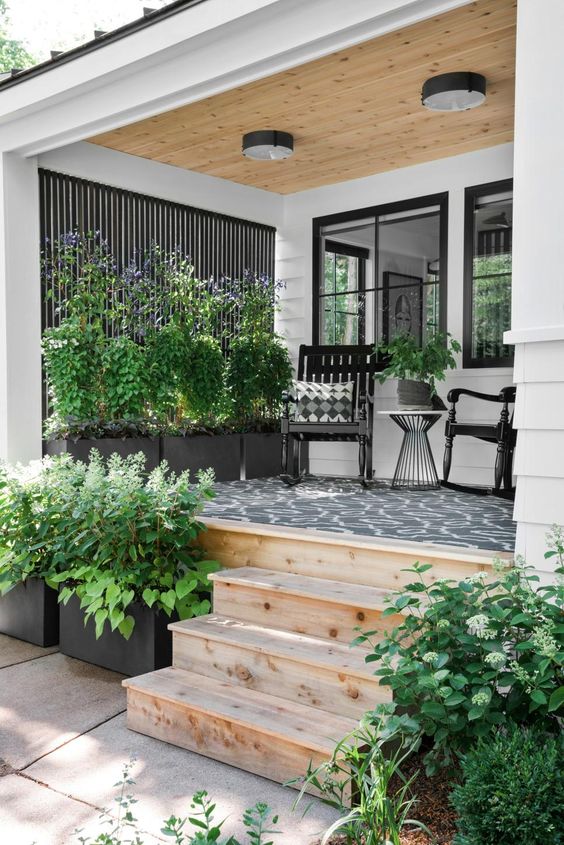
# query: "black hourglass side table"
{"points": [[415, 469]]}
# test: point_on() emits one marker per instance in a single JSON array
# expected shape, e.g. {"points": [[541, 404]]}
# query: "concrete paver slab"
{"points": [[17, 651], [166, 778], [31, 813], [44, 703]]}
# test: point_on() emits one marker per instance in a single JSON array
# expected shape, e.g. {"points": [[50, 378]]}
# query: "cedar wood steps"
{"points": [[308, 670], [313, 606], [254, 731], [268, 682]]}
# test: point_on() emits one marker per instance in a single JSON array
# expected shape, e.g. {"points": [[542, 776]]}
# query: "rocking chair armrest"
{"points": [[507, 394], [454, 395], [286, 399]]}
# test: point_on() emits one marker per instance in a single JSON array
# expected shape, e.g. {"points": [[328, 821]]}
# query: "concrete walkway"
{"points": [[63, 743]]}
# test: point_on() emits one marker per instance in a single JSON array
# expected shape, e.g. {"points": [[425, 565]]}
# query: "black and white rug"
{"points": [[335, 504]]}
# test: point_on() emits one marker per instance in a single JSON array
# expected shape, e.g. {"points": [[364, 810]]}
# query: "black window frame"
{"points": [[472, 194], [351, 251], [318, 223]]}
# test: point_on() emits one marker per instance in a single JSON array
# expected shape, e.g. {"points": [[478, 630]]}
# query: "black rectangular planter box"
{"points": [[262, 453], [149, 646], [30, 612], [80, 449], [221, 452], [231, 456]]}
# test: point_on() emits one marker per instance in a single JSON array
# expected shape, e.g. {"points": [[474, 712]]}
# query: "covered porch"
{"points": [[140, 134], [363, 145]]}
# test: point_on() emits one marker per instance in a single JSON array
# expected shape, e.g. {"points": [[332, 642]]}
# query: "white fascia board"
{"points": [[197, 53]]}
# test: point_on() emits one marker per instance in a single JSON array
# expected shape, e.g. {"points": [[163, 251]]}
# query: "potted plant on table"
{"points": [[418, 368]]}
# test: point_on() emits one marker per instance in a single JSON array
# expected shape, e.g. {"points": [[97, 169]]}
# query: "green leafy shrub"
{"points": [[72, 354], [258, 372], [35, 506], [512, 790], [409, 360], [124, 378], [205, 830], [259, 367], [474, 655], [204, 378], [126, 537], [364, 765], [168, 353]]}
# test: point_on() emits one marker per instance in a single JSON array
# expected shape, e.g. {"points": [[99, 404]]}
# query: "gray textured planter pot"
{"points": [[148, 648], [30, 612], [262, 455], [80, 449], [414, 395], [221, 452]]}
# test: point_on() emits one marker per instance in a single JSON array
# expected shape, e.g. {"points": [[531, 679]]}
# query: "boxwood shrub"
{"points": [[512, 790]]}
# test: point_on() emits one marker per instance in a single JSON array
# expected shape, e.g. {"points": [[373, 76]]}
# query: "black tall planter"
{"points": [[80, 449], [30, 612], [148, 648], [262, 454], [221, 452]]}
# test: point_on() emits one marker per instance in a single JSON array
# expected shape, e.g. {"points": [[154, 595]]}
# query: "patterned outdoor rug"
{"points": [[335, 504]]}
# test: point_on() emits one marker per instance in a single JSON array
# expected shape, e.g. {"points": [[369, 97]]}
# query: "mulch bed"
{"points": [[433, 807]]}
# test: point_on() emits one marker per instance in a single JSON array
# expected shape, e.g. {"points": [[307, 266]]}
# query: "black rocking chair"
{"points": [[501, 433], [327, 364]]}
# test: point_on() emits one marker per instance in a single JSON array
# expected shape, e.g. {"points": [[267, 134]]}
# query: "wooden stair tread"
{"points": [[321, 589], [299, 647], [297, 723]]}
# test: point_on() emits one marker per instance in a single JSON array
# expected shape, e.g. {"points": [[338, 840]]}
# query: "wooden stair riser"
{"points": [[374, 562], [346, 693], [302, 615], [218, 738]]}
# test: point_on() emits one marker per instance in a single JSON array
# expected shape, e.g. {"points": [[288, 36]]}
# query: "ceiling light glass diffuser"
{"points": [[268, 145], [454, 91]]}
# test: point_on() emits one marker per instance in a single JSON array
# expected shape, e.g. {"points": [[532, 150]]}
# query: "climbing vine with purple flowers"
{"points": [[151, 348]]}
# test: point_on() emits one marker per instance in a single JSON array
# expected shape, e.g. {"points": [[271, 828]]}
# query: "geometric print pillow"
{"points": [[318, 402]]}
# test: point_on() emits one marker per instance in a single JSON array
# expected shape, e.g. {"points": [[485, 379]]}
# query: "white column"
{"points": [[20, 310], [538, 275]]}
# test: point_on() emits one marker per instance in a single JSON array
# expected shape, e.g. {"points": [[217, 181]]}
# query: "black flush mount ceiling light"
{"points": [[454, 91], [268, 145]]}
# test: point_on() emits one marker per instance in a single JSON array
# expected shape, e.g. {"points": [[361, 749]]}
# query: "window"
{"points": [[487, 284], [379, 271], [409, 273], [342, 293]]}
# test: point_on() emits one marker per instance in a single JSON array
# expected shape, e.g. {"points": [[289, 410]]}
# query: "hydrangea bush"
{"points": [[473, 655], [109, 533]]}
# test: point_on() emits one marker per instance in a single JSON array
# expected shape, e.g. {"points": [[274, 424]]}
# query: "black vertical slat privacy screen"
{"points": [[218, 245]]}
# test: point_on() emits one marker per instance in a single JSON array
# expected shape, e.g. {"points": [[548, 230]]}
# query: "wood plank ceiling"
{"points": [[353, 113]]}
